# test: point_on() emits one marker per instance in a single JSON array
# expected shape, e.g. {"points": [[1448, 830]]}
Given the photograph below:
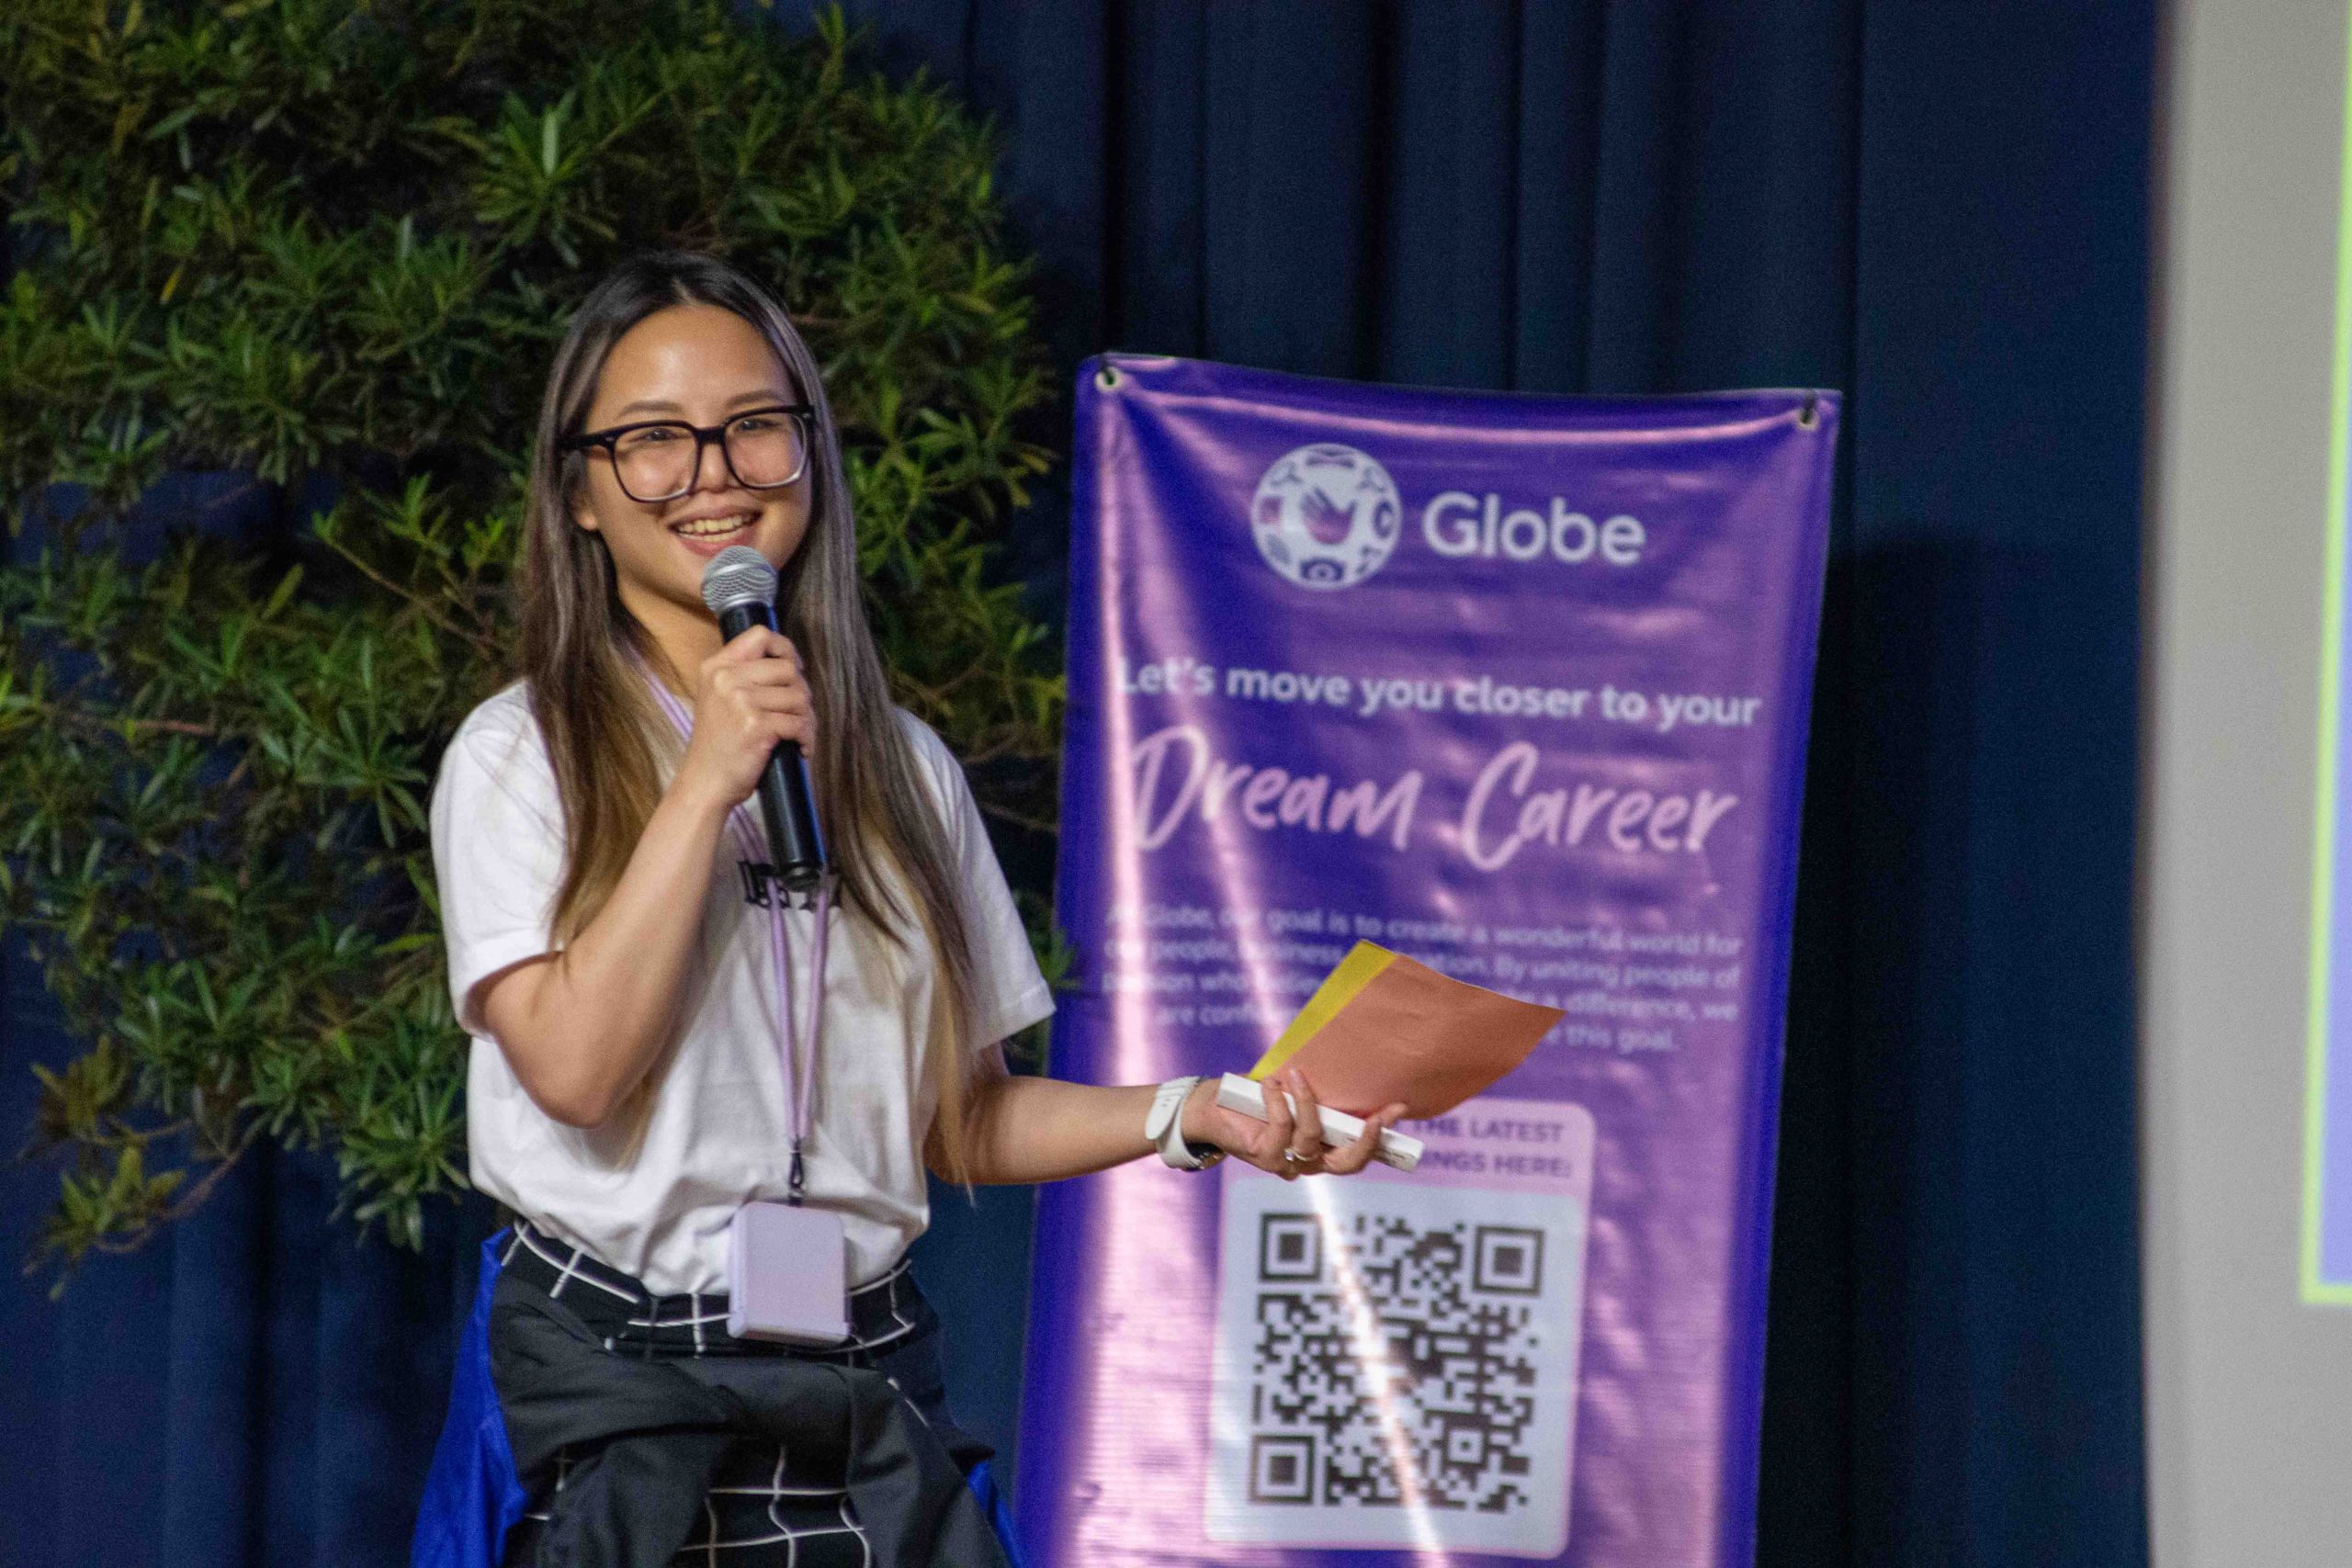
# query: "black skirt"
{"points": [[764, 1507]]}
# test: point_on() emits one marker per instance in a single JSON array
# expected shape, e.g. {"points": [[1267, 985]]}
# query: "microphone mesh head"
{"points": [[736, 575]]}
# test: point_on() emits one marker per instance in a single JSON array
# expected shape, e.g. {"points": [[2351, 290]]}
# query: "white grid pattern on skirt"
{"points": [[778, 1494]]}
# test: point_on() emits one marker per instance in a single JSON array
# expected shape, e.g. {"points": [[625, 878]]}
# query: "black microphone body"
{"points": [[787, 803]]}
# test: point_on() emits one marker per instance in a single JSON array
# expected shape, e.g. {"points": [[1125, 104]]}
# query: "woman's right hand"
{"points": [[748, 696]]}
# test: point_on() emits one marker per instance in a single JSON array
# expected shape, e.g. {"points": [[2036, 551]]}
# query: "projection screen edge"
{"points": [[2315, 1290]]}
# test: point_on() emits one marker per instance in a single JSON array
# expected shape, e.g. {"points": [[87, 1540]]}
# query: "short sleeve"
{"points": [[1012, 989], [497, 848]]}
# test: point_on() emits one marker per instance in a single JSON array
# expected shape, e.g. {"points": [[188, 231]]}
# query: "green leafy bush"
{"points": [[320, 250]]}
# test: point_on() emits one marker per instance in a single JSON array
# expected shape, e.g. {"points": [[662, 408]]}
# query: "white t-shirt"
{"points": [[652, 1191]]}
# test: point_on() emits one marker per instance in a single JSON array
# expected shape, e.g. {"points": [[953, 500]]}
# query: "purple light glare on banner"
{"points": [[1518, 686]]}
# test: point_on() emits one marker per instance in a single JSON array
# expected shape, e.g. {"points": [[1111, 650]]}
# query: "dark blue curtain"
{"points": [[1942, 209]]}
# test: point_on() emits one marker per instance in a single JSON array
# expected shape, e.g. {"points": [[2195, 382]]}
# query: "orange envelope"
{"points": [[1383, 1028]]}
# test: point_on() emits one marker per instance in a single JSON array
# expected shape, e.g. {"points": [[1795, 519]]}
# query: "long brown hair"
{"points": [[580, 649]]}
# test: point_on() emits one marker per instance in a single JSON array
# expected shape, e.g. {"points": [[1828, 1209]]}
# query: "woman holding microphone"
{"points": [[654, 1052]]}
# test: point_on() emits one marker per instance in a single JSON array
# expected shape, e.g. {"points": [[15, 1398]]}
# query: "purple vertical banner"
{"points": [[1516, 686]]}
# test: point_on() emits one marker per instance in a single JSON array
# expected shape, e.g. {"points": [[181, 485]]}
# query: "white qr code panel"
{"points": [[1397, 1364]]}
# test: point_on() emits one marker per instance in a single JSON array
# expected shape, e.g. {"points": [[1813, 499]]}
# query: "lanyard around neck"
{"points": [[796, 1052]]}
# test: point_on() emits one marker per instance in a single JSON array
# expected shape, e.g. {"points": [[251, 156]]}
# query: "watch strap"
{"points": [[1165, 1127]]}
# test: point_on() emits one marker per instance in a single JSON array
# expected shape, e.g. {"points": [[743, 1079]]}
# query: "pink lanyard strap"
{"points": [[799, 1066]]}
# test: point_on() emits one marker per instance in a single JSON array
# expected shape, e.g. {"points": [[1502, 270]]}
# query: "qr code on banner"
{"points": [[1395, 1366]]}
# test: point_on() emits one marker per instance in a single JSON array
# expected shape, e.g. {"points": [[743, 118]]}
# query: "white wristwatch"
{"points": [[1165, 1127]]}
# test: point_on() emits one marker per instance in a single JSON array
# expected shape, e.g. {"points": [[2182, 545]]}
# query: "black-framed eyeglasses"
{"points": [[766, 448]]}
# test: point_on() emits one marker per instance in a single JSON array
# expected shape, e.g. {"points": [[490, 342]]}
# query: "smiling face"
{"points": [[699, 365]]}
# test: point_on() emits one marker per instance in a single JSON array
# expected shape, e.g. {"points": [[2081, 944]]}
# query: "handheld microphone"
{"points": [[739, 587]]}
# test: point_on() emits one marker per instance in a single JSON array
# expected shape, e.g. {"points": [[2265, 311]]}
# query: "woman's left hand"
{"points": [[1285, 1145]]}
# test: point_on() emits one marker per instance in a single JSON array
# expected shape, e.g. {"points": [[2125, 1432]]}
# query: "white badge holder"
{"points": [[787, 1275]]}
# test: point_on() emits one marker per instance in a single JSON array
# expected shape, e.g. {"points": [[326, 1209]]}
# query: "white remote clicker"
{"points": [[1248, 1097]]}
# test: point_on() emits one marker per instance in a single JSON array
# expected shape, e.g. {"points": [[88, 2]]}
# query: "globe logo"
{"points": [[1325, 516]]}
